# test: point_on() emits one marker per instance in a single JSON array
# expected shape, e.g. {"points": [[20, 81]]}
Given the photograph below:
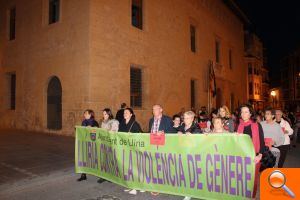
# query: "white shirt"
{"points": [[286, 127]]}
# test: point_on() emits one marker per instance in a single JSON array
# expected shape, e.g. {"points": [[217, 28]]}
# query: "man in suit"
{"points": [[160, 123]]}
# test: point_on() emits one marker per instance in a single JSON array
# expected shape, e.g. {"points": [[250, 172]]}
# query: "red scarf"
{"points": [[255, 132]]}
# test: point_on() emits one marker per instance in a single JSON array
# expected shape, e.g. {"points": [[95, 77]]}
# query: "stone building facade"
{"points": [[60, 57], [290, 80], [258, 74]]}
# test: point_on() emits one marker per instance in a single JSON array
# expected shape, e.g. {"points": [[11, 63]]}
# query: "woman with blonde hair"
{"points": [[225, 114]]}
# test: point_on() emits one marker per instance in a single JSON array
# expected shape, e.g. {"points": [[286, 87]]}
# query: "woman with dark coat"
{"points": [[129, 124], [189, 127], [89, 120]]}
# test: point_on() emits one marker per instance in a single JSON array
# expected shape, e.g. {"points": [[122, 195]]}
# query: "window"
{"points": [[12, 23], [193, 94], [249, 68], [250, 88], [12, 91], [230, 58], [193, 38], [135, 87], [53, 11], [256, 89], [137, 13], [217, 51], [255, 71]]}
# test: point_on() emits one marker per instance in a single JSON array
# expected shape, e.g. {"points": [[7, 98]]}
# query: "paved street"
{"points": [[39, 166]]}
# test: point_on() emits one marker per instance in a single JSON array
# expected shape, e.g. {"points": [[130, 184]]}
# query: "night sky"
{"points": [[277, 23]]}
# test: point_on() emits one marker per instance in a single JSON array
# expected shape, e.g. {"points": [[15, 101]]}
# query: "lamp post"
{"points": [[273, 94]]}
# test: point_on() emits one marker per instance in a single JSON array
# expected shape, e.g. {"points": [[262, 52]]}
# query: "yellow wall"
{"points": [[93, 45]]}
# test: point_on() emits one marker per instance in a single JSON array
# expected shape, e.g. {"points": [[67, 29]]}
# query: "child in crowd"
{"points": [[204, 123], [176, 122]]}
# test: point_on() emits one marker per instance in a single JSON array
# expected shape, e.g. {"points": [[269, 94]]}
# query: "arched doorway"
{"points": [[54, 105]]}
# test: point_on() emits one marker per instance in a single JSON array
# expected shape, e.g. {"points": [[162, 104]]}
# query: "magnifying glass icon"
{"points": [[277, 180]]}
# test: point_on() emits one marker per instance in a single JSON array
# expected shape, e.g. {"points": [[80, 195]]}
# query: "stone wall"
{"points": [[93, 46]]}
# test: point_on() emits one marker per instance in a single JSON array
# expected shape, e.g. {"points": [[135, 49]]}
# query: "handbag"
{"points": [[268, 160]]}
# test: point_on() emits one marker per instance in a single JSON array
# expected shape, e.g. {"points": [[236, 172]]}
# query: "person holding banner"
{"points": [[218, 125], [224, 113], [89, 120], [189, 127], [129, 124], [109, 123], [160, 123], [248, 125]]}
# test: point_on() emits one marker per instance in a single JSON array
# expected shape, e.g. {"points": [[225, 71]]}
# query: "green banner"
{"points": [[213, 166]]}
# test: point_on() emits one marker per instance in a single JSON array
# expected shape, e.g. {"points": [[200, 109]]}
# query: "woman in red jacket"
{"points": [[248, 125]]}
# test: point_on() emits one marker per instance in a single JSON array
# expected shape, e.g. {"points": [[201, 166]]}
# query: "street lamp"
{"points": [[273, 94]]}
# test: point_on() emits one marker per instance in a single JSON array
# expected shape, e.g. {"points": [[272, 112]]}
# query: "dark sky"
{"points": [[277, 23]]}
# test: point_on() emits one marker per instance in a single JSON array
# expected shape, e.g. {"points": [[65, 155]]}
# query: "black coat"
{"points": [[166, 125], [176, 128], [120, 115], [90, 122], [132, 126], [193, 129]]}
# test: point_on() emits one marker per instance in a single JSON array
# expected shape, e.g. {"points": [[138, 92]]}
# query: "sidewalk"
{"points": [[36, 166]]}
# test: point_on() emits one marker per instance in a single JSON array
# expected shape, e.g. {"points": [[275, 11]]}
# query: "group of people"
{"points": [[269, 129]]}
